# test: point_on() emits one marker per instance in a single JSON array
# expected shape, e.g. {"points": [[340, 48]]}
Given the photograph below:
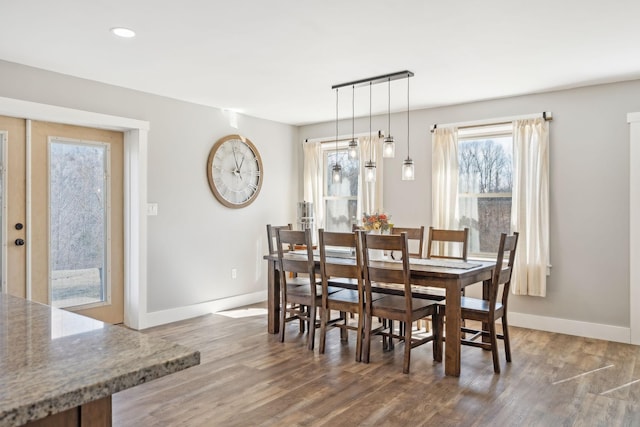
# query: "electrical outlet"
{"points": [[234, 273]]}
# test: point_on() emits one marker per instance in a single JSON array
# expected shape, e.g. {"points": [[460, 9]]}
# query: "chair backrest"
{"points": [[502, 273], [415, 236], [271, 236], [388, 272], [340, 267], [440, 243]]}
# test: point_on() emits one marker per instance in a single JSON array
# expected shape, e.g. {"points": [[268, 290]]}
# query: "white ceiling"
{"points": [[278, 59]]}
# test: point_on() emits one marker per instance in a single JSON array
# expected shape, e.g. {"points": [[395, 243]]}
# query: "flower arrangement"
{"points": [[376, 221]]}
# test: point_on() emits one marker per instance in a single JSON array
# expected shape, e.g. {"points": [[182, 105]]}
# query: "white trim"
{"points": [[4, 147], [571, 327], [634, 225], [187, 312], [28, 235], [135, 189]]}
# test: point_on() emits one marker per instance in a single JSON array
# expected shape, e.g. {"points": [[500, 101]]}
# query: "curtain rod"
{"points": [[342, 138], [547, 115]]}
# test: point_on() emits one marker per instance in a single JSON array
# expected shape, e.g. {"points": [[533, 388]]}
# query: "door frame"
{"points": [[634, 226], [135, 191]]}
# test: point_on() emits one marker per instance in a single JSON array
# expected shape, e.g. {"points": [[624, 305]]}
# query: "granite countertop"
{"points": [[52, 360]]}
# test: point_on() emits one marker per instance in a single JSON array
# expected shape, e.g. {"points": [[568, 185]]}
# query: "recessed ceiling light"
{"points": [[123, 32]]}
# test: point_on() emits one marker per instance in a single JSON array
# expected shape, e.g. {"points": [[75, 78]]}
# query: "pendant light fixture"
{"points": [[370, 166], [337, 169], [353, 144], [389, 145], [408, 170]]}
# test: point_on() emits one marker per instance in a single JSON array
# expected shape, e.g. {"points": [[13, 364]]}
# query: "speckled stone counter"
{"points": [[53, 360]]}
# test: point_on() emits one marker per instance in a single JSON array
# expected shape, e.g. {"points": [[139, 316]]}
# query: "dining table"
{"points": [[451, 275]]}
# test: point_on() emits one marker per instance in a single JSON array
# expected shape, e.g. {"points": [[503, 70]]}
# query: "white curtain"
{"points": [[444, 208], [530, 206], [370, 195], [314, 180]]}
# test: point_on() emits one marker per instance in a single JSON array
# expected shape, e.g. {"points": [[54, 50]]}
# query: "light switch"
{"points": [[152, 209]]}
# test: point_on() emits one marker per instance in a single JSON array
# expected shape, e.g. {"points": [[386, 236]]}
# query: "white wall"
{"points": [[194, 242], [589, 180]]}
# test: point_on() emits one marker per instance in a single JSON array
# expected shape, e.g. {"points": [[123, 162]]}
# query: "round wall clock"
{"points": [[234, 170]]}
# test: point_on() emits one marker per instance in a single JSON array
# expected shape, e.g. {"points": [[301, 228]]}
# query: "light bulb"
{"points": [[388, 147]]}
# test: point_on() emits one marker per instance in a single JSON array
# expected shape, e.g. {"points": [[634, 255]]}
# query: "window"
{"points": [[485, 180], [340, 199], [78, 219]]}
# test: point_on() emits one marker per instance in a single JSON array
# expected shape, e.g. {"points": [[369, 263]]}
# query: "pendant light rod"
{"points": [[408, 156], [377, 79]]}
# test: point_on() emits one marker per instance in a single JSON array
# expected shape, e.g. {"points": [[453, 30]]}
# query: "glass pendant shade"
{"points": [[408, 171], [370, 171], [388, 147], [353, 148], [337, 173]]}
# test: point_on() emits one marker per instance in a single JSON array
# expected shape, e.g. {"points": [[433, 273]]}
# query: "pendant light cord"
{"points": [[408, 156], [336, 126], [370, 140], [389, 109], [353, 112]]}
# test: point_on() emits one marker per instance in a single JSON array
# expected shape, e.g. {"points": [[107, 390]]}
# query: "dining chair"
{"points": [[440, 243], [271, 236], [415, 236], [403, 308], [489, 310], [341, 272], [301, 290]]}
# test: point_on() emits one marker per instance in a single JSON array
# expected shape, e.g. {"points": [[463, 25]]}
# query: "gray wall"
{"points": [[589, 190], [194, 242]]}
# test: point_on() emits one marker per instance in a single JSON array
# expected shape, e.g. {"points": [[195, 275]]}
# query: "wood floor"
{"points": [[248, 378]]}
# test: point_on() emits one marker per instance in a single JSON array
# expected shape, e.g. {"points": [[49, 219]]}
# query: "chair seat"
{"points": [[420, 292], [475, 304], [343, 282], [394, 303], [305, 290], [345, 295]]}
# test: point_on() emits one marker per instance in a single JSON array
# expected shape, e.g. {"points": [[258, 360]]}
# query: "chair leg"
{"points": [[283, 316], [366, 345], [344, 334], [436, 330], [494, 347], [407, 347], [311, 324], [303, 308], [359, 337], [324, 319], [505, 333]]}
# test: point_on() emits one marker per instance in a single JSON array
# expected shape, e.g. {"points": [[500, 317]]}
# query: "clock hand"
{"points": [[234, 157]]}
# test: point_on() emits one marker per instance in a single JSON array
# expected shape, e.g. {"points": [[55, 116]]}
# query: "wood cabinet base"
{"points": [[92, 414]]}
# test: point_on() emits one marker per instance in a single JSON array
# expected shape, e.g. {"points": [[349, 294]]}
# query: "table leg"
{"points": [[452, 326], [273, 298]]}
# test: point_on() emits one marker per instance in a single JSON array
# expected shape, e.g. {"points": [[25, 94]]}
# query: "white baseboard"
{"points": [[162, 317], [571, 327], [523, 320]]}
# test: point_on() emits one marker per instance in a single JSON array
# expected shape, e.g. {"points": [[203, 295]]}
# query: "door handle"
{"points": [[19, 242]]}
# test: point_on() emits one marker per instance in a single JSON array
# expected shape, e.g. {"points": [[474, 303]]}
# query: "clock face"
{"points": [[234, 170]]}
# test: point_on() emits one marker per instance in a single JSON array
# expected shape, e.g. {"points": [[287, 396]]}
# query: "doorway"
{"points": [[66, 221]]}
